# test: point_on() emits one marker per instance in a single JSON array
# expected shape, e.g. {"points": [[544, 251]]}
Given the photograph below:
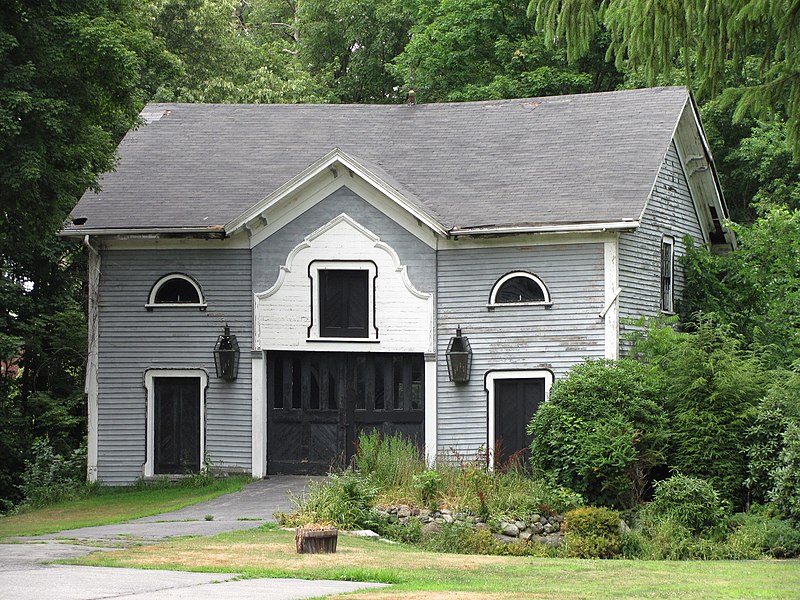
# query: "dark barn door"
{"points": [[177, 425], [319, 402], [515, 402]]}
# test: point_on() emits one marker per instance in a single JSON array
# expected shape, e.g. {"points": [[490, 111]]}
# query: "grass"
{"points": [[113, 505], [419, 575]]}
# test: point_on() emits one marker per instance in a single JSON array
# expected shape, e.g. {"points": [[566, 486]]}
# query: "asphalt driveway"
{"points": [[24, 576]]}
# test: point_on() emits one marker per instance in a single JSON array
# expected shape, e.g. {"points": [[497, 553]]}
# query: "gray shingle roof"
{"points": [[559, 160]]}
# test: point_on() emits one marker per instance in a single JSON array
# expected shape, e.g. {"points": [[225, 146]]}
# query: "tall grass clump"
{"points": [[392, 463]]}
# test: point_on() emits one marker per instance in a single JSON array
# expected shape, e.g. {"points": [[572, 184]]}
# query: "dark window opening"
{"points": [[667, 275], [344, 303], [177, 291], [519, 289]]}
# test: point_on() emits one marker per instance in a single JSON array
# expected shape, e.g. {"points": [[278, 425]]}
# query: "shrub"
{"points": [[343, 500], [786, 493], [592, 532], [688, 501], [776, 537], [390, 461], [428, 484], [602, 432], [712, 386], [49, 477]]}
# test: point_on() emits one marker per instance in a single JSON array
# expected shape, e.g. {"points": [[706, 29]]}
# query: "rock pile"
{"points": [[545, 529]]}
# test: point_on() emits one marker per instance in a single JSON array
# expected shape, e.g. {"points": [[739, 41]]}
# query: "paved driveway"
{"points": [[24, 577]]}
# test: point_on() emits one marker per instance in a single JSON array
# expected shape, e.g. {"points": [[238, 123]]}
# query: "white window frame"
{"points": [[151, 299], [149, 384], [342, 265], [667, 300], [508, 276], [489, 381]]}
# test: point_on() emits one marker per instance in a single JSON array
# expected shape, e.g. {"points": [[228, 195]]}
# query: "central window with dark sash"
{"points": [[344, 303]]}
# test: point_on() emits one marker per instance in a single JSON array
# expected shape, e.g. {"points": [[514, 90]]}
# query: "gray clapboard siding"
{"points": [[670, 211], [525, 337], [269, 255], [133, 339]]}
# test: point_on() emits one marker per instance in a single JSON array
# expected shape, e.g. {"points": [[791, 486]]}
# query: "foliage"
{"points": [[709, 37], [786, 493], [710, 385], [764, 443], [487, 49], [773, 536], [351, 43], [344, 500], [592, 532], [689, 501], [602, 432], [49, 477], [755, 289], [220, 52], [391, 462]]}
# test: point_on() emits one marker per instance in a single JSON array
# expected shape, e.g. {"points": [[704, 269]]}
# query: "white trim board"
{"points": [[488, 386], [149, 376]]}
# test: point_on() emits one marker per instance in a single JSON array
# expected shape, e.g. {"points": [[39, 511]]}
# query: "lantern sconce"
{"points": [[459, 358], [226, 355]]}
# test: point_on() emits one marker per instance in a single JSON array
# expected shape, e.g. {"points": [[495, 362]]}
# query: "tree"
{"points": [[226, 51], [73, 77], [486, 49], [759, 40]]}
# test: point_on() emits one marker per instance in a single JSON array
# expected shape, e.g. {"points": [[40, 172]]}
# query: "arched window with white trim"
{"points": [[519, 288], [176, 289]]}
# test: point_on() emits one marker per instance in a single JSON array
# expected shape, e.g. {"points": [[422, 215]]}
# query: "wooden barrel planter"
{"points": [[313, 539]]}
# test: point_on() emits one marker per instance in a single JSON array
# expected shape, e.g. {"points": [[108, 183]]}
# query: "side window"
{"points": [[667, 274], [175, 289], [518, 288], [344, 303]]}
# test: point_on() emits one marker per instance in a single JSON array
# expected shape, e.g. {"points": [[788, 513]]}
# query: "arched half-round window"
{"points": [[176, 289], [519, 288]]}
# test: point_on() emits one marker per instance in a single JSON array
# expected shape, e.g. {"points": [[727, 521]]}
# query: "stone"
{"points": [[548, 528], [520, 525], [535, 518], [431, 528], [623, 528], [556, 527], [538, 527], [526, 535], [424, 513], [364, 533], [445, 511], [448, 518], [481, 525], [404, 512], [510, 529]]}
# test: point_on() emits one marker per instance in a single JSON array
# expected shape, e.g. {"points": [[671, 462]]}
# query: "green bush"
{"points": [[602, 432], [344, 500], [592, 532], [390, 461], [50, 477], [688, 501], [429, 485], [786, 493], [773, 536], [712, 386]]}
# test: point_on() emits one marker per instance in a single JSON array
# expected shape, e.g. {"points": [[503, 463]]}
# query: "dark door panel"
{"points": [[319, 402], [515, 403], [177, 425]]}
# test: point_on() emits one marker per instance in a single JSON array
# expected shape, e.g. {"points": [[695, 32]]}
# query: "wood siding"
{"points": [[133, 339], [670, 212], [508, 337], [269, 255]]}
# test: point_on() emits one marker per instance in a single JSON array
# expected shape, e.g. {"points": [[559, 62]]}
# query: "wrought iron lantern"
{"points": [[226, 355], [459, 358]]}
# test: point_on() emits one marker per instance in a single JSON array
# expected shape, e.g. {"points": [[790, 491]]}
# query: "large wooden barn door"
{"points": [[319, 402]]}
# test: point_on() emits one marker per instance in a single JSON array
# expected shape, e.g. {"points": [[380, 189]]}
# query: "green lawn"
{"points": [[114, 505], [426, 576]]}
